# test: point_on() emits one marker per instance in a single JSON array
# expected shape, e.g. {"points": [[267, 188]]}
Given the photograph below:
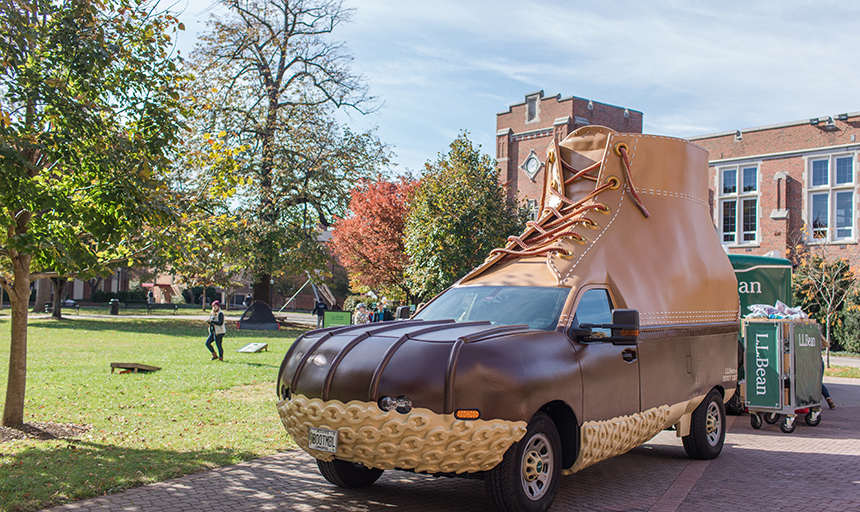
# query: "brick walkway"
{"points": [[814, 467]]}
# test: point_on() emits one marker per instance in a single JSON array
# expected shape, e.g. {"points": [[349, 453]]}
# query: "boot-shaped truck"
{"points": [[613, 316]]}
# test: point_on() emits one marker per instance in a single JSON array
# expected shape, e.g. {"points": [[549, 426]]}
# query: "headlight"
{"points": [[401, 404]]}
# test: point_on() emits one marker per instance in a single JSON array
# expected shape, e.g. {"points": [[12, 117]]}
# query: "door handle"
{"points": [[628, 354]]}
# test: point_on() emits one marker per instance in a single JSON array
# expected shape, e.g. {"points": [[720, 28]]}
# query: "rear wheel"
{"points": [[526, 479], [707, 428], [348, 474], [813, 418], [771, 418]]}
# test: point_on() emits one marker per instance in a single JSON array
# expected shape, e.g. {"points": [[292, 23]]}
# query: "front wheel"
{"points": [[813, 418], [707, 428], [755, 420], [526, 479], [348, 474], [771, 418]]}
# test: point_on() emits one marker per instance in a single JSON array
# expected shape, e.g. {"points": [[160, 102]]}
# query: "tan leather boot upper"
{"points": [[643, 229]]}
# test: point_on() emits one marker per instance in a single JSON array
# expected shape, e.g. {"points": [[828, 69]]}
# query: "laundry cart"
{"points": [[783, 371]]}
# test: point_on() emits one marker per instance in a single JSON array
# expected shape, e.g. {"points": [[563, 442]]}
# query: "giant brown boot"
{"points": [[629, 211]]}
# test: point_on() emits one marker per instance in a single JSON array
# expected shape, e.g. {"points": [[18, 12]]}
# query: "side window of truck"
{"points": [[594, 308]]}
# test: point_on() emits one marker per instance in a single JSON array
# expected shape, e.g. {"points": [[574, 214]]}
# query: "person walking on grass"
{"points": [[216, 331]]}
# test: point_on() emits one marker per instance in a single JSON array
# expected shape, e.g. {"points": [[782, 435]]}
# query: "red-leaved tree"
{"points": [[369, 243]]}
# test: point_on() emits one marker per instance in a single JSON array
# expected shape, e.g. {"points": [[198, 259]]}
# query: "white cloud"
{"points": [[692, 68]]}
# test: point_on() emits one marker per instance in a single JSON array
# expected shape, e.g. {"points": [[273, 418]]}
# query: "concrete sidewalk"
{"points": [[845, 361], [758, 470]]}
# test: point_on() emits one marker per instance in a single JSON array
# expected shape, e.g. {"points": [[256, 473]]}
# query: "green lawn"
{"points": [[192, 415], [843, 371]]}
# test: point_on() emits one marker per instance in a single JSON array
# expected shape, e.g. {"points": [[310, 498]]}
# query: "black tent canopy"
{"points": [[258, 317]]}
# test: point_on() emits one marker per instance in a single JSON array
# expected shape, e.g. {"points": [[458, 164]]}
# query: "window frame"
{"points": [[830, 190], [739, 197]]}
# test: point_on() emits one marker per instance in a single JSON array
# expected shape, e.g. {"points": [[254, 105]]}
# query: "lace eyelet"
{"points": [[615, 180], [621, 145], [604, 208], [565, 254], [590, 223], [576, 239], [550, 158]]}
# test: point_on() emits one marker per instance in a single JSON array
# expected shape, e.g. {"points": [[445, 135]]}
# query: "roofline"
{"points": [[559, 99], [766, 156], [762, 128]]}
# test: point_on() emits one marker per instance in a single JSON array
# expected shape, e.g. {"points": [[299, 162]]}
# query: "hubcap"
{"points": [[714, 424], [536, 467]]}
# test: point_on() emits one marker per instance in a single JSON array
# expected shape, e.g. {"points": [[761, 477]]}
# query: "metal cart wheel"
{"points": [[813, 418], [771, 418], [787, 425], [755, 420]]}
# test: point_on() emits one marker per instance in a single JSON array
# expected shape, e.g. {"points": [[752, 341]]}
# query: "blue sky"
{"points": [[692, 67]]}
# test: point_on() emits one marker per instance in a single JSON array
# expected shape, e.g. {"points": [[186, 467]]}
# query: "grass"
{"points": [[192, 415], [842, 371]]}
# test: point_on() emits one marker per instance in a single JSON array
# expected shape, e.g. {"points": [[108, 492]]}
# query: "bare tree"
{"points": [[269, 76]]}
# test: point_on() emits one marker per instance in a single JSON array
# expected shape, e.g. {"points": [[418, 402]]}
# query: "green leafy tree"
{"points": [[848, 332], [204, 180], [459, 213], [821, 284], [268, 74], [89, 107]]}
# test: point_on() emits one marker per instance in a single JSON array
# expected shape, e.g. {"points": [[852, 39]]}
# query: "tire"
{"points": [[812, 422], [771, 418], [707, 428], [526, 479], [755, 420], [348, 474], [783, 425]]}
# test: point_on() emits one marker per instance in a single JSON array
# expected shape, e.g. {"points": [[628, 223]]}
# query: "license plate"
{"points": [[322, 439]]}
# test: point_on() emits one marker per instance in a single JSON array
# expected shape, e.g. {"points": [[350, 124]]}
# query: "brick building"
{"points": [[774, 187], [525, 130]]}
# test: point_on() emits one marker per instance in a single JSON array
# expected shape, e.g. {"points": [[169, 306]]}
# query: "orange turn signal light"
{"points": [[467, 414], [629, 332]]}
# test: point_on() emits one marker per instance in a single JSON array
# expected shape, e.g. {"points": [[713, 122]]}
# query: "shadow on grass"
{"points": [[66, 471], [180, 327]]}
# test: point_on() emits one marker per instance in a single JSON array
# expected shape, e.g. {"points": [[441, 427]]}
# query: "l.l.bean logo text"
{"points": [[805, 340], [752, 287]]}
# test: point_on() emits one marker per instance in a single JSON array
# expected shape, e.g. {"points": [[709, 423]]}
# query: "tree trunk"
{"points": [[263, 290], [827, 337], [60, 284], [13, 410], [43, 295]]}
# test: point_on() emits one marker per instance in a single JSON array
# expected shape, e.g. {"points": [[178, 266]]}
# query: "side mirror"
{"points": [[403, 313], [624, 327]]}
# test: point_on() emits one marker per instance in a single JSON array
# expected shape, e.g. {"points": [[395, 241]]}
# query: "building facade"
{"points": [[775, 188], [526, 129]]}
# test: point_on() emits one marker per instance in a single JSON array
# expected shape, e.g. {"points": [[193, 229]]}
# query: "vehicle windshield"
{"points": [[537, 307]]}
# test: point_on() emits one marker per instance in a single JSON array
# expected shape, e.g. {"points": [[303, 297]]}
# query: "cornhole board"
{"points": [[254, 347], [133, 367]]}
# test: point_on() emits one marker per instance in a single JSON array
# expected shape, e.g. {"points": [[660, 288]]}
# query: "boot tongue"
{"points": [[579, 150]]}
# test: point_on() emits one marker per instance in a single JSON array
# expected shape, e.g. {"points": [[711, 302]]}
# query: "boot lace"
{"points": [[557, 224]]}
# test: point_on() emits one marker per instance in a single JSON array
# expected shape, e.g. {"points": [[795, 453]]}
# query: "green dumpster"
{"points": [[761, 280]]}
